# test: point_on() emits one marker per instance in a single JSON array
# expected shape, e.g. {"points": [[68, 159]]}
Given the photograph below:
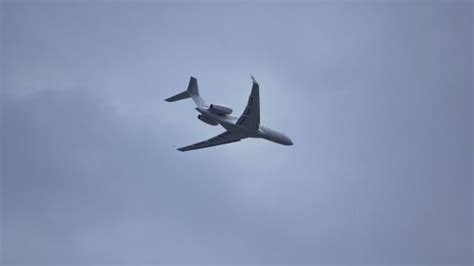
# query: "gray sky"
{"points": [[377, 98]]}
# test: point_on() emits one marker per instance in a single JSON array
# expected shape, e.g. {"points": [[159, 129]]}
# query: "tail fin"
{"points": [[191, 92]]}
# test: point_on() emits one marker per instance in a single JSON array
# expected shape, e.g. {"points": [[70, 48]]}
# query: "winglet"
{"points": [[253, 79]]}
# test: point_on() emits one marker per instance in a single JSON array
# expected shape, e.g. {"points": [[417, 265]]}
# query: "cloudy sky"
{"points": [[376, 96]]}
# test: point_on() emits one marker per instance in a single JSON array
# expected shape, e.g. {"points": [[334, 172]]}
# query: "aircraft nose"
{"points": [[287, 141]]}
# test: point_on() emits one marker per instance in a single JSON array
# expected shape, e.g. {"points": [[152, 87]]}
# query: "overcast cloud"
{"points": [[377, 98]]}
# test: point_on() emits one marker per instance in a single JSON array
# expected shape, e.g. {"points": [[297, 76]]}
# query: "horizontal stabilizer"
{"points": [[191, 92], [180, 96]]}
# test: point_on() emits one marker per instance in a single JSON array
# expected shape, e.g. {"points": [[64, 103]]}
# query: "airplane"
{"points": [[245, 126]]}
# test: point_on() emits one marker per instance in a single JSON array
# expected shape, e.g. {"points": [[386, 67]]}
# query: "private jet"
{"points": [[237, 128]]}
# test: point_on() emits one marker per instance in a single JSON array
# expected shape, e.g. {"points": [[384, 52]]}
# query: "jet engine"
{"points": [[220, 110], [207, 120]]}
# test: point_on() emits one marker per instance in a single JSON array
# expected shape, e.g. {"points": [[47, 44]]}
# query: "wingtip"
{"points": [[253, 79]]}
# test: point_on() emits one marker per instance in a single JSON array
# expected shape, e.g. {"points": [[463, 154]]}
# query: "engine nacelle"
{"points": [[220, 110], [207, 120]]}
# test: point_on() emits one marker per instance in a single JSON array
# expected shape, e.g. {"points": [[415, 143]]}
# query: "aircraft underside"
{"points": [[246, 126]]}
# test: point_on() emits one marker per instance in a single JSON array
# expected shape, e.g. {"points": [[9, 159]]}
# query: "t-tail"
{"points": [[191, 92]]}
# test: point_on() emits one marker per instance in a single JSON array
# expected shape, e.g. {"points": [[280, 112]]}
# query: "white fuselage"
{"points": [[230, 123]]}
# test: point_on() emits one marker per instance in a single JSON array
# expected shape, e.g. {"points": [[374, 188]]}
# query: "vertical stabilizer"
{"points": [[191, 92]]}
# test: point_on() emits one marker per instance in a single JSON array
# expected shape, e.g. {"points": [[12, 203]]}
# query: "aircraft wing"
{"points": [[251, 116], [224, 138]]}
